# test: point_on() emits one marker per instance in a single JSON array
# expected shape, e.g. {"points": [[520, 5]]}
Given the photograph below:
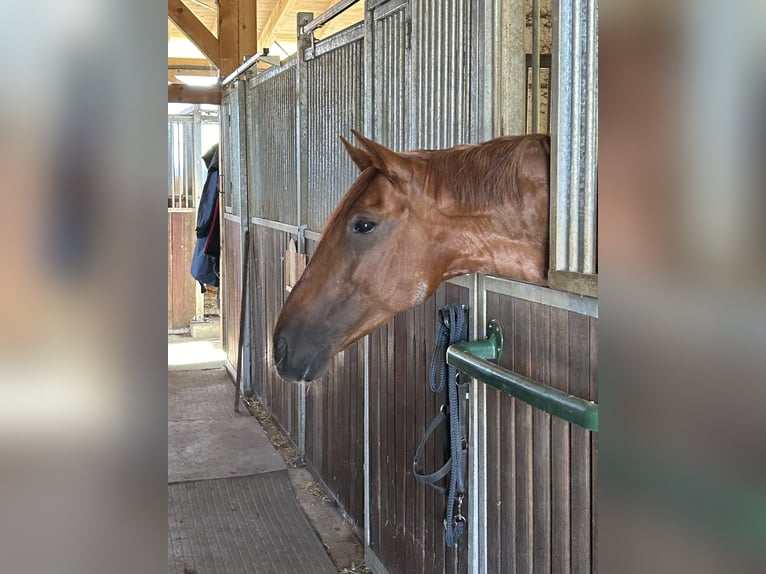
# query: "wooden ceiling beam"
{"points": [[281, 10], [180, 93], [195, 31], [228, 35], [248, 28]]}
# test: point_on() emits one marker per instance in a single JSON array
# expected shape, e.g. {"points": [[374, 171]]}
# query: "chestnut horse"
{"points": [[410, 221]]}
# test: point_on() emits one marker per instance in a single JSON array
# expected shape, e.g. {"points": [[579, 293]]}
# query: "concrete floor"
{"points": [[233, 503]]}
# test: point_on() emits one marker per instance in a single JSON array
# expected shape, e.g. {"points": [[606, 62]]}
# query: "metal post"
{"points": [[366, 366], [368, 130], [301, 128], [477, 442], [242, 165], [199, 182], [535, 123]]}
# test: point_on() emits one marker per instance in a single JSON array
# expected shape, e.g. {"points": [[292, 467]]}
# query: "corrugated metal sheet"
{"points": [[231, 264], [334, 106], [575, 91], [391, 61], [273, 194], [445, 74], [230, 151]]}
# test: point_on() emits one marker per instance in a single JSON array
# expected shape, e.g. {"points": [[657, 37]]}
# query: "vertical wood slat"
{"points": [[523, 515], [540, 488], [593, 382], [579, 377], [560, 452], [541, 442]]}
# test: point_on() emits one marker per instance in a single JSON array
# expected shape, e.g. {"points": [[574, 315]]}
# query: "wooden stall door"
{"points": [[181, 285]]}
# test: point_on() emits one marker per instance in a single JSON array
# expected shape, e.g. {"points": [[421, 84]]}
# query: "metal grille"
{"points": [[229, 165], [391, 61], [445, 79], [575, 137], [189, 135], [180, 163], [334, 106], [274, 190]]}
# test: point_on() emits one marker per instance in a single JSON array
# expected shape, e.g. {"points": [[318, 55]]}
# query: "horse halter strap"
{"points": [[453, 328]]}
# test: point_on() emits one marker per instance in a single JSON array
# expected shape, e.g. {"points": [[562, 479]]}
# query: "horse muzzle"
{"points": [[298, 360]]}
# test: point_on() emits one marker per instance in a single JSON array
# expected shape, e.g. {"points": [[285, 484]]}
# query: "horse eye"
{"points": [[363, 226]]}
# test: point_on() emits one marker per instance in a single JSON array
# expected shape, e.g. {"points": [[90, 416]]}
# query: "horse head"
{"points": [[374, 260], [388, 245]]}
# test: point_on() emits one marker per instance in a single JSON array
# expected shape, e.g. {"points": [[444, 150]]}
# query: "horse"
{"points": [[410, 221]]}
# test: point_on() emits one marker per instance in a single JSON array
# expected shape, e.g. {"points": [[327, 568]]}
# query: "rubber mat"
{"points": [[244, 524]]}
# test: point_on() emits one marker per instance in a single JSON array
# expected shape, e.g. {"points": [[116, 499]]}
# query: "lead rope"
{"points": [[452, 329]]}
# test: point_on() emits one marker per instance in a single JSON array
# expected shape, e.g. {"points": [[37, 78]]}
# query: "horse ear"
{"points": [[390, 163], [360, 157]]}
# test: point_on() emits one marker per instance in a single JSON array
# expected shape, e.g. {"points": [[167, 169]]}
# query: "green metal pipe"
{"points": [[558, 403]]}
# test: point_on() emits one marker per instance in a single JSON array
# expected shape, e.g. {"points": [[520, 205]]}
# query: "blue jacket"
{"points": [[207, 250]]}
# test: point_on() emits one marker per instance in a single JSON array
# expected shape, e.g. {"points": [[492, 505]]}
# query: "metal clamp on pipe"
{"points": [[471, 358]]}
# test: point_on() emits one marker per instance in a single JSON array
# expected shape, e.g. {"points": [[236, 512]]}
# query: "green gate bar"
{"points": [[469, 357]]}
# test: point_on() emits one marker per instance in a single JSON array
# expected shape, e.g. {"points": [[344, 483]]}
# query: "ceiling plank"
{"points": [[228, 35], [248, 28], [194, 30], [282, 9], [188, 62], [180, 93]]}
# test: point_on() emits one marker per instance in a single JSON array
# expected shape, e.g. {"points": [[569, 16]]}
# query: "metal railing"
{"points": [[472, 358]]}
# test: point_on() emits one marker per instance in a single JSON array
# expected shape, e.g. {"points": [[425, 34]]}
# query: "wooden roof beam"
{"points": [[180, 93], [194, 30]]}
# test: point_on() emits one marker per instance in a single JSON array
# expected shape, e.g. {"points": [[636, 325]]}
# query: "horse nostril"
{"points": [[280, 349]]}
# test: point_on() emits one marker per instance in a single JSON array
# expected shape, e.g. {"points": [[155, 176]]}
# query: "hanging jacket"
{"points": [[207, 249]]}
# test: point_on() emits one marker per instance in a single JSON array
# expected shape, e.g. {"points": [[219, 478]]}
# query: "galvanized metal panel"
{"points": [[446, 74], [273, 194], [391, 84], [334, 106], [575, 136], [231, 264]]}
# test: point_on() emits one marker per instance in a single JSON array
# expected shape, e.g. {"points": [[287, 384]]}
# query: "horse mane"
{"points": [[476, 176], [481, 176]]}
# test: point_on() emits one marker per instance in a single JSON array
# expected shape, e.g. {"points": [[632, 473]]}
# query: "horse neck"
{"points": [[510, 241]]}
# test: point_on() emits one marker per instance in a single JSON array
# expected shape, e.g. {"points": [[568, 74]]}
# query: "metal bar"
{"points": [[545, 296], [561, 145], [367, 487], [535, 124], [575, 174], [301, 122], [326, 16], [242, 314], [477, 439], [339, 40], [558, 403], [286, 227], [591, 139], [249, 63]]}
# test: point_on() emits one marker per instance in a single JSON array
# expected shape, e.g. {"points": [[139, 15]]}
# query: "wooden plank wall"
{"points": [[541, 470], [231, 287], [406, 530], [267, 289], [181, 285]]}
